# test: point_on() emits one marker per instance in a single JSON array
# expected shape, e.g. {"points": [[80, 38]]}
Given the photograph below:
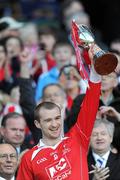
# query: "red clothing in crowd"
{"points": [[68, 158], [2, 74], [49, 63]]}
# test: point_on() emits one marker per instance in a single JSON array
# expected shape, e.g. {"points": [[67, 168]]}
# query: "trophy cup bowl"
{"points": [[104, 62]]}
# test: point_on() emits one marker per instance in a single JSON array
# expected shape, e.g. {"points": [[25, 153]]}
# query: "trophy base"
{"points": [[105, 64]]}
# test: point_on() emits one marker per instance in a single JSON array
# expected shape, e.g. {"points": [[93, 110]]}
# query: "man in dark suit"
{"points": [[13, 131], [102, 162], [8, 161]]}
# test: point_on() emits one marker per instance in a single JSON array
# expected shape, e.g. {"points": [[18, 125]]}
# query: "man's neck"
{"points": [[50, 142], [7, 177], [101, 153], [73, 92], [106, 95]]}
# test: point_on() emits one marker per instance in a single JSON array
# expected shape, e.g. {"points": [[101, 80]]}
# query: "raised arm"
{"points": [[89, 108], [27, 99]]}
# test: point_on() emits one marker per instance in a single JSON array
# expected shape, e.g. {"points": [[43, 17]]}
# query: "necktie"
{"points": [[100, 162]]}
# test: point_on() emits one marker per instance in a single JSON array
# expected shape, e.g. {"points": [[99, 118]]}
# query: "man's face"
{"points": [[69, 78], [8, 160], [63, 55], [55, 95], [13, 47], [109, 81], [75, 11], [50, 123], [15, 94], [48, 40], [14, 131], [100, 139]]}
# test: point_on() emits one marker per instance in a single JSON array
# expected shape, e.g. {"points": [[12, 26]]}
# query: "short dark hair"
{"points": [[67, 3], [68, 66], [2, 43], [9, 116], [45, 105], [17, 38], [61, 43], [53, 84], [49, 30]]}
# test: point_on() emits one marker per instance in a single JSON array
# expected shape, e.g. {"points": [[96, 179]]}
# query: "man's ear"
{"points": [[115, 82], [37, 124]]}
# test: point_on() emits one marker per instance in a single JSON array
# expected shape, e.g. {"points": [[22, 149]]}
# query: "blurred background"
{"points": [[104, 15]]}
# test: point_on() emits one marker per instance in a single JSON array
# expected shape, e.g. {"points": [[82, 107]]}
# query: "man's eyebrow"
{"points": [[48, 119]]}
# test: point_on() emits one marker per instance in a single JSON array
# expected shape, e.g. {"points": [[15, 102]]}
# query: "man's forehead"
{"points": [[100, 127], [54, 89], [6, 147], [73, 7], [16, 120], [46, 112]]}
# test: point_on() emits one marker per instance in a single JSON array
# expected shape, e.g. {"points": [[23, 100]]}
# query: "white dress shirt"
{"points": [[13, 178], [104, 158]]}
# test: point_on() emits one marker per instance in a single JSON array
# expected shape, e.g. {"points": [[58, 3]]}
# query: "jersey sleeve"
{"points": [[25, 169], [83, 127]]}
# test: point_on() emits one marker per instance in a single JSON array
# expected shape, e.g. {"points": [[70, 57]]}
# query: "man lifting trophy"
{"points": [[104, 62]]}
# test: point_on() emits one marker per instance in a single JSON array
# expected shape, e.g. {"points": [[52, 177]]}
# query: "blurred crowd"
{"points": [[38, 63]]}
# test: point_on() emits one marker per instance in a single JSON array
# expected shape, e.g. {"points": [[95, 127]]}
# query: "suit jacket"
{"points": [[113, 163]]}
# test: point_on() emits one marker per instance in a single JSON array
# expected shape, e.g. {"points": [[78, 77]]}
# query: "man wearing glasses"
{"points": [[8, 162]]}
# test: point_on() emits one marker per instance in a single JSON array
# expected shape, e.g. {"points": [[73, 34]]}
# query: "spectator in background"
{"points": [[13, 47], [110, 97], [29, 35], [48, 37], [27, 94], [2, 61], [55, 93], [13, 104], [40, 44], [63, 53], [30, 39], [109, 84], [115, 48], [104, 163], [13, 131], [8, 161], [71, 81], [76, 10], [9, 27], [4, 70], [44, 58]]}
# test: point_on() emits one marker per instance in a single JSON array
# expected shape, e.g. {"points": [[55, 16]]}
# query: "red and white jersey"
{"points": [[68, 158]]}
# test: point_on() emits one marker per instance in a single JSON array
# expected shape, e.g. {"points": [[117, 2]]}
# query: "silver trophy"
{"points": [[104, 62]]}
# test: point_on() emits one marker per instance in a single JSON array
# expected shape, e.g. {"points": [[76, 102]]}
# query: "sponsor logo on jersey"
{"points": [[59, 169], [41, 160]]}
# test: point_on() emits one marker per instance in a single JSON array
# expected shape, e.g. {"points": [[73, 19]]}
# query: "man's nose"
{"points": [[99, 136], [8, 158], [54, 123], [18, 132]]}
